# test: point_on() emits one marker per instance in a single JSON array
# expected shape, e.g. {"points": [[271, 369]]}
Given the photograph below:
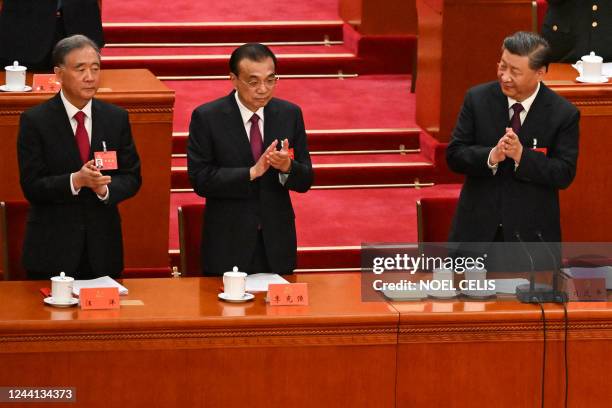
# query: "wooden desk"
{"points": [[585, 205], [150, 106], [184, 348], [489, 354]]}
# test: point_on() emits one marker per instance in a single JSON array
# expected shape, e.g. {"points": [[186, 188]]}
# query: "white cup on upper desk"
{"points": [[591, 67], [61, 288], [15, 77], [234, 283]]}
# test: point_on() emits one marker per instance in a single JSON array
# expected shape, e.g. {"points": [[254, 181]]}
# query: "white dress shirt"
{"points": [[526, 106], [72, 110], [247, 114]]}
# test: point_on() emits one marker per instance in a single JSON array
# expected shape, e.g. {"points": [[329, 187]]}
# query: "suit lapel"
{"points": [[540, 108], [237, 136], [500, 113], [97, 129], [271, 124], [63, 130]]}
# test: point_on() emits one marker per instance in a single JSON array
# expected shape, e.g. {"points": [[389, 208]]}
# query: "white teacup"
{"points": [[234, 283], [476, 274], [442, 274], [61, 288], [15, 77], [592, 66]]}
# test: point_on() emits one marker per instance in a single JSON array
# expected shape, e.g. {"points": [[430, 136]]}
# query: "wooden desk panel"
{"points": [[186, 348], [585, 205], [484, 354], [150, 106]]}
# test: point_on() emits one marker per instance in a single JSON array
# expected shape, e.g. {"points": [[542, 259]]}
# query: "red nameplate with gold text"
{"points": [[99, 298], [288, 294], [45, 83]]}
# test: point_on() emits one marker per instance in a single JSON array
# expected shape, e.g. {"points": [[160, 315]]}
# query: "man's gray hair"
{"points": [[69, 44], [529, 44]]}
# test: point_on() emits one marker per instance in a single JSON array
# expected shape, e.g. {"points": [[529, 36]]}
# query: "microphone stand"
{"points": [[533, 292], [559, 296]]}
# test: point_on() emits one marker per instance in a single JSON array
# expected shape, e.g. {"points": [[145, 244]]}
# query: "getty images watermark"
{"points": [[413, 271]]}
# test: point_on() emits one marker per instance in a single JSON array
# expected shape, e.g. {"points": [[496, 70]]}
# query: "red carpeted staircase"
{"points": [[371, 160]]}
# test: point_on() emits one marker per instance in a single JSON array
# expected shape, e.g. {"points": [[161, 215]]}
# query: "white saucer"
{"points": [[245, 298], [442, 294], [3, 88], [404, 295], [49, 300], [478, 294], [602, 79]]}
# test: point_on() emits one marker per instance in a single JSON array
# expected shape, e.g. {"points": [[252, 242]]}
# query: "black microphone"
{"points": [[558, 295], [532, 271]]}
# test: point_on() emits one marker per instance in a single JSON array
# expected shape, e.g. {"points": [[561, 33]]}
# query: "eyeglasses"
{"points": [[269, 82]]}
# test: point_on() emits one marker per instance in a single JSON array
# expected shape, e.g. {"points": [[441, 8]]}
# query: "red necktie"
{"points": [[255, 138], [515, 122], [82, 138]]}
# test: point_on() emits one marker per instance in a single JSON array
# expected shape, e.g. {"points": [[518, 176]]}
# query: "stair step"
{"points": [[223, 32], [387, 100], [343, 170], [326, 140], [197, 65]]}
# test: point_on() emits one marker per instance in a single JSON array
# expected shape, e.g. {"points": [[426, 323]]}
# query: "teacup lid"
{"points": [[15, 67], [62, 278], [592, 57], [235, 272]]}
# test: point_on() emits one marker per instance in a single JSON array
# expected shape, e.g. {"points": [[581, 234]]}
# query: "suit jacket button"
{"points": [[594, 7], [555, 28], [594, 24]]}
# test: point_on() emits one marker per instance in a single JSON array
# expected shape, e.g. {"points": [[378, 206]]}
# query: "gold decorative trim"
{"points": [[229, 44], [369, 165], [504, 332], [216, 56], [341, 131], [237, 336], [228, 23], [416, 184]]}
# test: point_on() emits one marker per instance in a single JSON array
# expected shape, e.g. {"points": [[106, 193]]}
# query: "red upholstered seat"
{"points": [[190, 220], [13, 215], [434, 218]]}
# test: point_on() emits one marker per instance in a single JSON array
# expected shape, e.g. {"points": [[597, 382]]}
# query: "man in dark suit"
{"points": [[517, 143], [574, 28], [245, 152], [73, 224], [29, 29]]}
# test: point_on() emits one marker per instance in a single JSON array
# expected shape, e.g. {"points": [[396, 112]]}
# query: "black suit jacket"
{"points": [[28, 27], [568, 27], [526, 200], [60, 224], [219, 157]]}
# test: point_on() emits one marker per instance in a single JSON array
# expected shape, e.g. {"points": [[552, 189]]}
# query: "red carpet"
{"points": [[147, 11], [366, 102], [348, 217]]}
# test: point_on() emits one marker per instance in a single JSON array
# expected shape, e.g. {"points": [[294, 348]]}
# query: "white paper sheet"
{"points": [[103, 282], [508, 285], [259, 282]]}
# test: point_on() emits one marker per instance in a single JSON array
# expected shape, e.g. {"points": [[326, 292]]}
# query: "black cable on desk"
{"points": [[565, 347], [543, 353]]}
